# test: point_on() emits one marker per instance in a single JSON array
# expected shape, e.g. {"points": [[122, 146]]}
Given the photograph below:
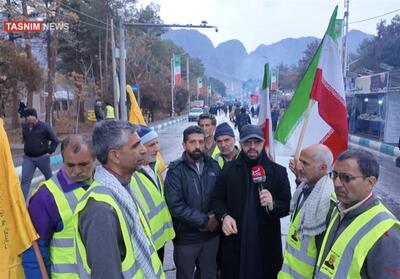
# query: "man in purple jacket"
{"points": [[52, 205]]}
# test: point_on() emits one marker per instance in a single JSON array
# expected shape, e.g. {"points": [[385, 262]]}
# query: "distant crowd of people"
{"points": [[108, 211]]}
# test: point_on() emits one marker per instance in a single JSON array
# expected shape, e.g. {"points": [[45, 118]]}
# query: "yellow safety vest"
{"points": [[62, 245], [349, 251], [218, 157], [153, 202], [110, 112], [300, 253], [129, 266], [215, 151]]}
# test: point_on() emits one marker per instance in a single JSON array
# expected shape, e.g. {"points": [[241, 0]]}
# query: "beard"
{"points": [[195, 155]]}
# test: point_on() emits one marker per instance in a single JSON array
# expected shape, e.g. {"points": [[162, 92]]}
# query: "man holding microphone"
{"points": [[251, 194]]}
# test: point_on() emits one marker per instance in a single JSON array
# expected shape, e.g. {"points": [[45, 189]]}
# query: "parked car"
{"points": [[194, 114]]}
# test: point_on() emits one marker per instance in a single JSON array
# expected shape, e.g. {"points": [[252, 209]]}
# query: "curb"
{"points": [[375, 145], [57, 159]]}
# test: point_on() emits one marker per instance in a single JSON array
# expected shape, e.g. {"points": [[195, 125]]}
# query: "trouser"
{"points": [[29, 166], [206, 252]]}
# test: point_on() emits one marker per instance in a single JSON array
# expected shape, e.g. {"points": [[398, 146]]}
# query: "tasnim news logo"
{"points": [[33, 26]]}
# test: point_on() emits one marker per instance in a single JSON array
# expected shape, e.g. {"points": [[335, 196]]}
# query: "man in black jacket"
{"points": [[188, 186], [250, 214], [39, 143]]}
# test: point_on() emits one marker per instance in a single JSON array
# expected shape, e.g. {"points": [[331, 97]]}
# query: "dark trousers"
{"points": [[206, 252], [29, 166]]}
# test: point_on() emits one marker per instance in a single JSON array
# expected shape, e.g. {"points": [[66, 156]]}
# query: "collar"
{"points": [[67, 183], [343, 211], [121, 180]]}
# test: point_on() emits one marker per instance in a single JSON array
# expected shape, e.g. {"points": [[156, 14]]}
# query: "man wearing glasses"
{"points": [[363, 237], [309, 207]]}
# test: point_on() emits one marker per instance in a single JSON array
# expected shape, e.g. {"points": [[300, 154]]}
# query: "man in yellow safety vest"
{"points": [[112, 232], [309, 206], [51, 209], [150, 189], [363, 237]]}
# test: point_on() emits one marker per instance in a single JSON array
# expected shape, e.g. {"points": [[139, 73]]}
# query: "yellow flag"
{"points": [[17, 232], [136, 117]]}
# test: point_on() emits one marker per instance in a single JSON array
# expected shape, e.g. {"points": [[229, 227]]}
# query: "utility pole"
{"points": [[114, 72], [122, 56], [188, 80], [346, 22], [172, 87]]}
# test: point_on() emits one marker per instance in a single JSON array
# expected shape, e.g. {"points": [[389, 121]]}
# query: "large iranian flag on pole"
{"points": [[318, 108], [264, 117]]}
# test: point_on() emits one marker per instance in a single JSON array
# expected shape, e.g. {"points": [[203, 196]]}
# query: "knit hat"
{"points": [[223, 129], [30, 112], [146, 134], [251, 132]]}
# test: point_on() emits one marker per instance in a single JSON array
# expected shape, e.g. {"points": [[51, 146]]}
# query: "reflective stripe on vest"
{"points": [[154, 204], [218, 157], [348, 252], [110, 112], [62, 247], [129, 267], [300, 253]]}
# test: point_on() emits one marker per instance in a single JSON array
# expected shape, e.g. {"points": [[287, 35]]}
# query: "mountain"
{"points": [[230, 62]]}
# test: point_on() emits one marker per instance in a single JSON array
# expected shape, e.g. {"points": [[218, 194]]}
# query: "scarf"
{"points": [[315, 208], [127, 200]]}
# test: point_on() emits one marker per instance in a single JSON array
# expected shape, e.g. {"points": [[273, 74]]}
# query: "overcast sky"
{"points": [[254, 22]]}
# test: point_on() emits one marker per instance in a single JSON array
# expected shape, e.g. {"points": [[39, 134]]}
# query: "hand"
{"points": [[266, 199], [212, 223], [293, 166], [229, 226]]}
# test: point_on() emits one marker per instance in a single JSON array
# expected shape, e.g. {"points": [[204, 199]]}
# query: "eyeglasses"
{"points": [[344, 177]]}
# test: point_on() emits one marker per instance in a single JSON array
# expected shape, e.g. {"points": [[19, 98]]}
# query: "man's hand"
{"points": [[266, 199], [212, 223], [229, 226], [293, 166]]}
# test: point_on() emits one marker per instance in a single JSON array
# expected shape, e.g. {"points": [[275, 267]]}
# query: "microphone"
{"points": [[258, 177]]}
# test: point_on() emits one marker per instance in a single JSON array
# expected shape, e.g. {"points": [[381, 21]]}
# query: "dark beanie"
{"points": [[224, 129], [30, 112]]}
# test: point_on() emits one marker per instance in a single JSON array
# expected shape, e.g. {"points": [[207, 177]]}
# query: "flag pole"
{"points": [[303, 130], [40, 260]]}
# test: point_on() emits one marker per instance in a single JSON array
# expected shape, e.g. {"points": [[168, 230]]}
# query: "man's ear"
{"points": [[113, 156], [184, 145], [371, 181]]}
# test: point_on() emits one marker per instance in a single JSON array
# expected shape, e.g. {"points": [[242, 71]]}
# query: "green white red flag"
{"points": [[322, 85], [177, 69], [264, 116]]}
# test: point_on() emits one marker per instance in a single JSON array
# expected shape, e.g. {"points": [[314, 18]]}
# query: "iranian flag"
{"points": [[319, 101], [177, 70], [264, 116]]}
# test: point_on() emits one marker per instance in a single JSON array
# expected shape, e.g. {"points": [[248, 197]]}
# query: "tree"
{"points": [[384, 48], [18, 74], [308, 54], [217, 86]]}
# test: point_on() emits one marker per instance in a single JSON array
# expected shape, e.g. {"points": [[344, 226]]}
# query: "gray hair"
{"points": [[366, 161], [76, 141], [323, 155], [110, 134]]}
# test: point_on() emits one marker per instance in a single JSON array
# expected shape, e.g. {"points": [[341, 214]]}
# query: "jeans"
{"points": [[29, 166]]}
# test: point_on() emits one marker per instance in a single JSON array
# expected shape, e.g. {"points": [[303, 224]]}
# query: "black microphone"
{"points": [[258, 177]]}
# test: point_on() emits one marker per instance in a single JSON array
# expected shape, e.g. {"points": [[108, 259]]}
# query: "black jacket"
{"points": [[188, 197], [40, 140], [242, 119], [229, 198]]}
